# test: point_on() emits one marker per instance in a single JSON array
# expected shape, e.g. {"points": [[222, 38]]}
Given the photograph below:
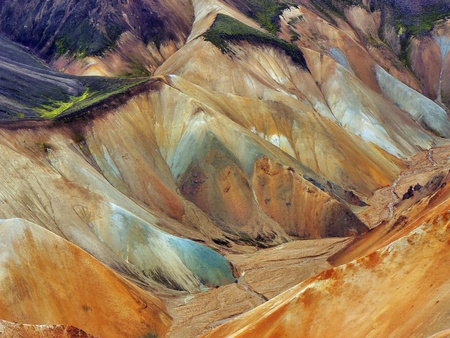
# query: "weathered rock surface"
{"points": [[11, 330], [263, 123], [402, 288], [45, 280], [100, 37], [427, 180]]}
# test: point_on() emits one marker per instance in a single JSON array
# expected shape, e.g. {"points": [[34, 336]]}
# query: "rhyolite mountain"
{"points": [[170, 165]]}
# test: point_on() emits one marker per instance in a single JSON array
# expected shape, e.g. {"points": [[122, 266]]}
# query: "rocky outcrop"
{"points": [[10, 330]]}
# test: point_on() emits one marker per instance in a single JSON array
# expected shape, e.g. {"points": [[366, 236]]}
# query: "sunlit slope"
{"points": [[47, 280], [302, 135], [377, 120], [408, 41], [65, 193], [400, 290], [370, 115], [266, 73], [214, 162], [350, 37]]}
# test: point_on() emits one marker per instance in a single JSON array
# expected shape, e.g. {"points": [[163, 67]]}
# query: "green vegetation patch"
{"points": [[84, 40], [420, 24], [34, 91], [98, 90], [55, 108], [267, 12], [226, 29], [410, 24], [80, 28]]}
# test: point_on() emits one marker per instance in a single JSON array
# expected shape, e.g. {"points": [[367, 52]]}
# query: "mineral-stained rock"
{"points": [[45, 279], [11, 330], [402, 288]]}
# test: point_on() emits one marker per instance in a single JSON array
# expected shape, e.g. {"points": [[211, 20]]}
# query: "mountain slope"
{"points": [[77, 290], [66, 194], [206, 168], [401, 288], [100, 37], [410, 210], [30, 89]]}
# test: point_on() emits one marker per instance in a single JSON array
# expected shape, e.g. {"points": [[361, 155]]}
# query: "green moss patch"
{"points": [[33, 91], [421, 23], [267, 12], [330, 8], [226, 29], [98, 90], [55, 108]]}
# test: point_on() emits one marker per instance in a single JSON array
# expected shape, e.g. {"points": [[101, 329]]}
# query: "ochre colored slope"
{"points": [[54, 181], [47, 280], [176, 185], [430, 61], [267, 74], [353, 42], [302, 133], [225, 165], [431, 198], [154, 133], [401, 290], [289, 124]]}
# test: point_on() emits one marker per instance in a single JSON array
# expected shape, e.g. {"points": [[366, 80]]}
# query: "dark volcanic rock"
{"points": [[408, 194], [30, 89], [87, 27]]}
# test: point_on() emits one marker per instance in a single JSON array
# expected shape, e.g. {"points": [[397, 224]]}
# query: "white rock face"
{"points": [[430, 115], [364, 113], [444, 45]]}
